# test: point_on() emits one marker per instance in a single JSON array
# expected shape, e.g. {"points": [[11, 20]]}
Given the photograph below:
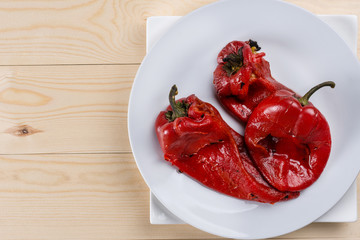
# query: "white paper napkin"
{"points": [[346, 209]]}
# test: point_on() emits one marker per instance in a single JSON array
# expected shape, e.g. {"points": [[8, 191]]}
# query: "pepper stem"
{"points": [[179, 109], [233, 62], [305, 99]]}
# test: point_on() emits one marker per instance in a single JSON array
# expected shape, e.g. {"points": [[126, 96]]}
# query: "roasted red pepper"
{"points": [[289, 139], [242, 78], [195, 139]]}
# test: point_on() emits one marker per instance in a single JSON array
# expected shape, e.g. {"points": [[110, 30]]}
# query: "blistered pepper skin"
{"points": [[289, 143], [204, 147], [242, 89]]}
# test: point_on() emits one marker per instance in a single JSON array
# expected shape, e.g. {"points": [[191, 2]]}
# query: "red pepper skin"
{"points": [[244, 89], [204, 147], [289, 143]]}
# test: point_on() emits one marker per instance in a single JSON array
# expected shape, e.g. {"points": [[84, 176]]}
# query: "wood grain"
{"points": [[79, 32], [98, 31], [96, 196], [48, 109]]}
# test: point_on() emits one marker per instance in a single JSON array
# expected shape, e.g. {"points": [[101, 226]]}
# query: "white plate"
{"points": [[302, 51]]}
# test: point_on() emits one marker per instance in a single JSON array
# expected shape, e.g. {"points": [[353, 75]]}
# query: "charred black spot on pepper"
{"points": [[242, 84], [254, 44], [253, 196]]}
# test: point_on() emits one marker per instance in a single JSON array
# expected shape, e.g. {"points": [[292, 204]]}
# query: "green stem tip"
{"points": [[179, 109], [305, 99]]}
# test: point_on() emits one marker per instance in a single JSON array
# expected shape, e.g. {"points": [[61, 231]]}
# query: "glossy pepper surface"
{"points": [[242, 78], [289, 139], [196, 140]]}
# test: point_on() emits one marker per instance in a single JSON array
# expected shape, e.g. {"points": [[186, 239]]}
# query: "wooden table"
{"points": [[66, 167]]}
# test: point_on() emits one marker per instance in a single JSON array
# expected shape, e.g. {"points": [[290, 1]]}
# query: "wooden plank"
{"points": [[97, 32], [48, 109], [70, 173], [97, 196], [82, 31], [81, 196]]}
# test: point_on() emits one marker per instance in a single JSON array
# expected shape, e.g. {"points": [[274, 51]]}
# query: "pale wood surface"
{"points": [[66, 168], [69, 108]]}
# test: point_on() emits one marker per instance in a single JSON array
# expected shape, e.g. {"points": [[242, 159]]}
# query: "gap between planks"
{"points": [[70, 64], [66, 153]]}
